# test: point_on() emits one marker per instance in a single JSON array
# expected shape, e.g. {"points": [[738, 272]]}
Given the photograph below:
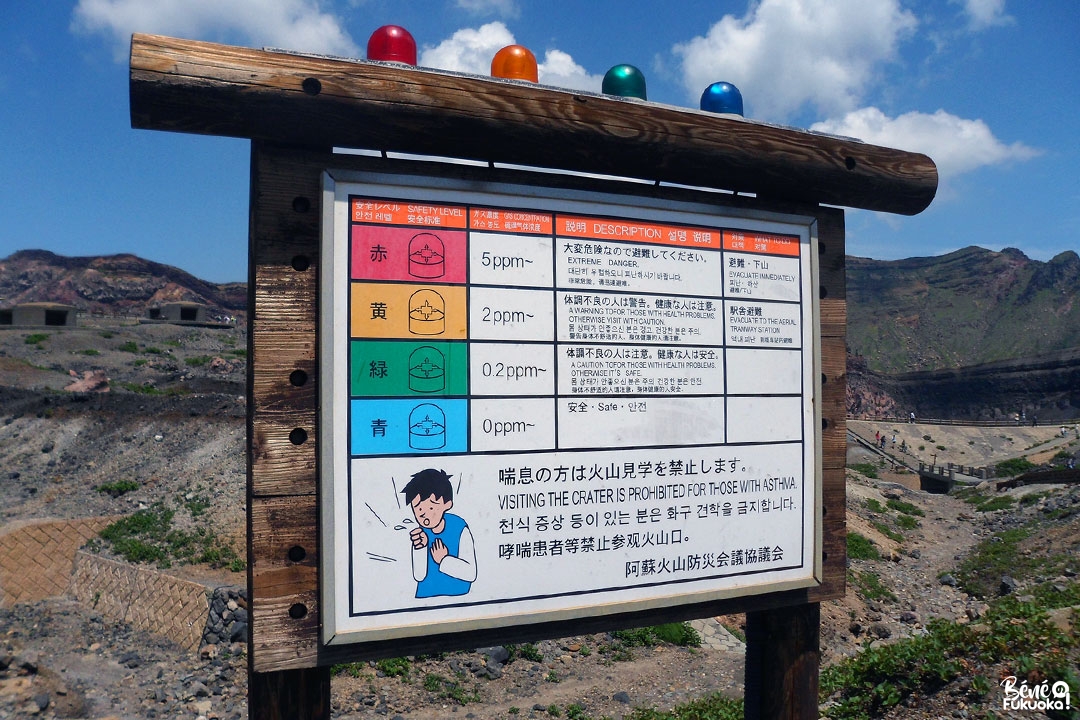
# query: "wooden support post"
{"points": [[782, 654], [289, 694]]}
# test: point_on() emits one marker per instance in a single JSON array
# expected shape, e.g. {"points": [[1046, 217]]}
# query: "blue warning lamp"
{"points": [[392, 43], [722, 97], [624, 81]]}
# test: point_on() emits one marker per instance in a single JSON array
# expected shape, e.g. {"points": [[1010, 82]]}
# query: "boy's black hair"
{"points": [[427, 483]]}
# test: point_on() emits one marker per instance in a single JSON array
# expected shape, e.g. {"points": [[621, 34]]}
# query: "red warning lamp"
{"points": [[515, 62], [392, 43]]}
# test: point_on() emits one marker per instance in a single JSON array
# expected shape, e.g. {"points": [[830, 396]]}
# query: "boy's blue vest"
{"points": [[438, 583]]}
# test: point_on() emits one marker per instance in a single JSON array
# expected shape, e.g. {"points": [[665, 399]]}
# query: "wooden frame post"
{"points": [[283, 547], [782, 655], [302, 694]]}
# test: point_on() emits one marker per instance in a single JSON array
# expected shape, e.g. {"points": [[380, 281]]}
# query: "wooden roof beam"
{"points": [[321, 102]]}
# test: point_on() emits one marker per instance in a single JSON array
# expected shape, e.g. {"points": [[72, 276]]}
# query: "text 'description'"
{"points": [[633, 267], [761, 278], [640, 370], [763, 324], [633, 318]]}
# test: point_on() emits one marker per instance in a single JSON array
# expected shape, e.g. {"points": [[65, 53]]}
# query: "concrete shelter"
{"points": [[39, 314]]}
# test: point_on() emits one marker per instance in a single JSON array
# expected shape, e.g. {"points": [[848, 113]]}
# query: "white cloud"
{"points": [[291, 24], [470, 50], [956, 145], [560, 70], [784, 54], [985, 13], [502, 8]]}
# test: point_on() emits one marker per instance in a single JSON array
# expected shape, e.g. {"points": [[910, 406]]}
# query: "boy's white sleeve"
{"points": [[462, 567], [419, 562]]}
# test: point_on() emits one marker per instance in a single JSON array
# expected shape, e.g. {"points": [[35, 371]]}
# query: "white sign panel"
{"points": [[541, 406]]}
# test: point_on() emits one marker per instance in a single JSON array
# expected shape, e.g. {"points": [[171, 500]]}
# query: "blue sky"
{"points": [[988, 88]]}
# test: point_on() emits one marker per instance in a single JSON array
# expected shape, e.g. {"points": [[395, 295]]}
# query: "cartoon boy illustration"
{"points": [[443, 556]]}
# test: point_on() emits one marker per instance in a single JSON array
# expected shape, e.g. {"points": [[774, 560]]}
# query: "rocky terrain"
{"points": [[171, 422], [1041, 386]]}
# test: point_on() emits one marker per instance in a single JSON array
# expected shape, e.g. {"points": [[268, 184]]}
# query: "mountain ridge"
{"points": [[122, 284], [968, 307]]}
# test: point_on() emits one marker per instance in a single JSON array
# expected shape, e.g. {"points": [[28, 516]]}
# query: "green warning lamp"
{"points": [[624, 81]]}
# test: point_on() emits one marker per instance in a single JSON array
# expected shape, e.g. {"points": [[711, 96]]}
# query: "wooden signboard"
{"points": [[595, 404], [650, 365]]}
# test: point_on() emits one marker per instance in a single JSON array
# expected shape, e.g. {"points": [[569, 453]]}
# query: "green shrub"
{"points": [[681, 634], [1017, 634], [888, 532], [129, 346], [118, 488], [139, 537], [861, 548], [907, 522], [870, 586], [528, 651], [576, 712], [353, 669], [198, 360], [394, 667], [866, 469], [148, 536], [711, 707], [905, 507], [1032, 498], [153, 390], [91, 352], [450, 689], [980, 572], [1015, 466], [1000, 502], [36, 338], [874, 506]]}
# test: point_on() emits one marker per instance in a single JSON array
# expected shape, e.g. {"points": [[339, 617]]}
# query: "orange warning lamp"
{"points": [[392, 43], [515, 62]]}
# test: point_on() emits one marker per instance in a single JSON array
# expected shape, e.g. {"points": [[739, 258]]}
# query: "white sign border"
{"points": [[332, 365]]}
